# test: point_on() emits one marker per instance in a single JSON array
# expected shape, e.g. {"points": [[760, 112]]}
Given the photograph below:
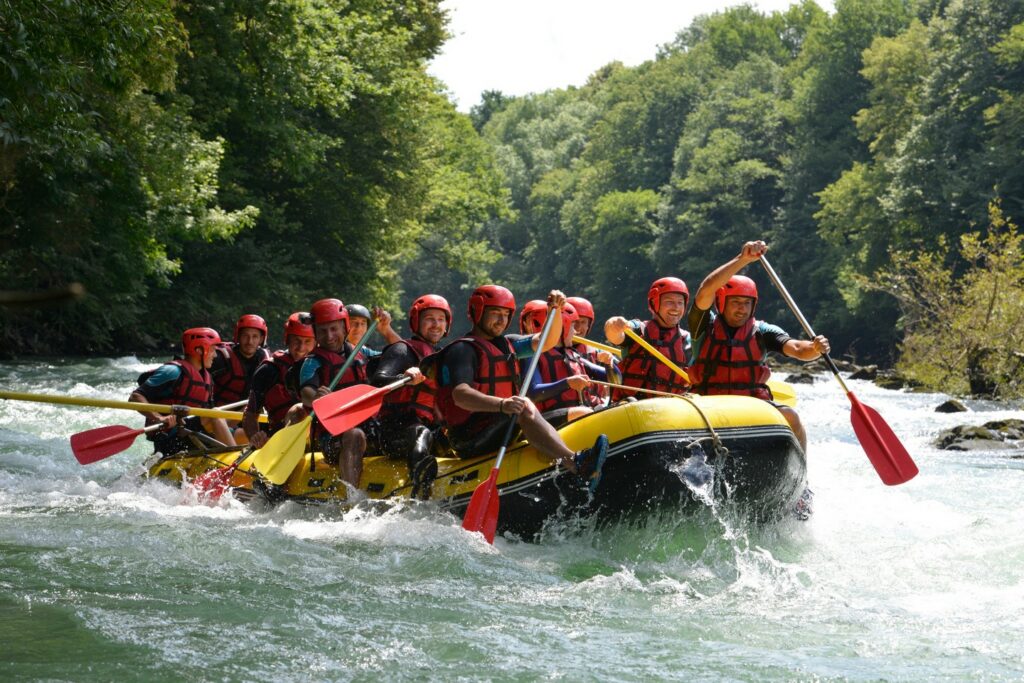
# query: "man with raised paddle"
{"points": [[408, 417], [732, 346], [184, 382], [560, 388], [478, 380], [666, 299]]}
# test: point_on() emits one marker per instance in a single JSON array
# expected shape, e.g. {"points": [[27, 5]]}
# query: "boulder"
{"points": [[866, 372], [951, 406], [992, 436], [1011, 429], [889, 379], [800, 378]]}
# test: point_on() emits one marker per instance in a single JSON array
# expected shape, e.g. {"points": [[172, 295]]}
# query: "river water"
{"points": [[106, 577]]}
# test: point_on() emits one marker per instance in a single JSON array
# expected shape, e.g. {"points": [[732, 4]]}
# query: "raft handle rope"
{"points": [[720, 449]]}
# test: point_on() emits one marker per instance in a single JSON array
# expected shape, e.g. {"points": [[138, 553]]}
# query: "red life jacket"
{"points": [[331, 362], [497, 375], [279, 398], [421, 397], [640, 369], [194, 387], [233, 384], [732, 365], [557, 364], [595, 394]]}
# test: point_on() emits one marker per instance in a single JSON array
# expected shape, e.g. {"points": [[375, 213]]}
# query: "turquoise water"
{"points": [[106, 577]]}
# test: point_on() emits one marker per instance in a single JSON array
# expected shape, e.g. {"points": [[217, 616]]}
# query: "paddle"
{"points": [[885, 451], [213, 484], [103, 442], [123, 405], [482, 513], [656, 353], [781, 391], [286, 447], [346, 408], [615, 351]]}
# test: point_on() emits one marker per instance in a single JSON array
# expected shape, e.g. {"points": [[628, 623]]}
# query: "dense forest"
{"points": [[188, 161]]}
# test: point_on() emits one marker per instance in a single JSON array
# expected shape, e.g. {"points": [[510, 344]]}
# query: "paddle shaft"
{"points": [[134, 433], [656, 353], [123, 405], [351, 357], [886, 452], [637, 389], [617, 352], [800, 316]]}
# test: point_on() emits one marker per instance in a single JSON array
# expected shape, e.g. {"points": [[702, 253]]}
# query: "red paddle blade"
{"points": [[885, 451], [102, 442], [214, 483], [346, 408], [482, 513]]}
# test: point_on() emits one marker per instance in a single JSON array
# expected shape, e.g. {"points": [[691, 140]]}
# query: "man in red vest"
{"points": [[732, 346], [560, 387], [330, 324], [184, 382], [236, 361], [275, 383], [666, 299], [479, 376], [409, 417]]}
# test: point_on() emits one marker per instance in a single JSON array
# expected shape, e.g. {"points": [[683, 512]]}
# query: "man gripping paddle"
{"points": [[330, 325], [732, 346], [184, 382], [479, 377]]}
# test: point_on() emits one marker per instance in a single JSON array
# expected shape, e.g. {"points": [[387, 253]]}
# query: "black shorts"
{"points": [[482, 433]]}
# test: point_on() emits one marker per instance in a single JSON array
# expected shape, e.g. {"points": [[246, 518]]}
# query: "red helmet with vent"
{"points": [[298, 323], [531, 320], [251, 320], [584, 309], [328, 310], [199, 341], [425, 302], [738, 285], [665, 285], [490, 295]]}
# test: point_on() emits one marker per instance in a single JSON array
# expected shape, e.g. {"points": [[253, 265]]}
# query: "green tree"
{"points": [[102, 170], [963, 332]]}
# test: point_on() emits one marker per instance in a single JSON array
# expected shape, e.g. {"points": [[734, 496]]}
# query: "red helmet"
{"points": [[569, 316], [584, 308], [738, 285], [298, 323], [532, 317], [251, 320], [535, 313], [664, 286], [199, 341], [425, 302], [490, 295], [328, 310]]}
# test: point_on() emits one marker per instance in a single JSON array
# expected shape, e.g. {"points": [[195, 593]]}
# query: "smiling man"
{"points": [[408, 418], [330, 326], [235, 362], [732, 346], [666, 299]]}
